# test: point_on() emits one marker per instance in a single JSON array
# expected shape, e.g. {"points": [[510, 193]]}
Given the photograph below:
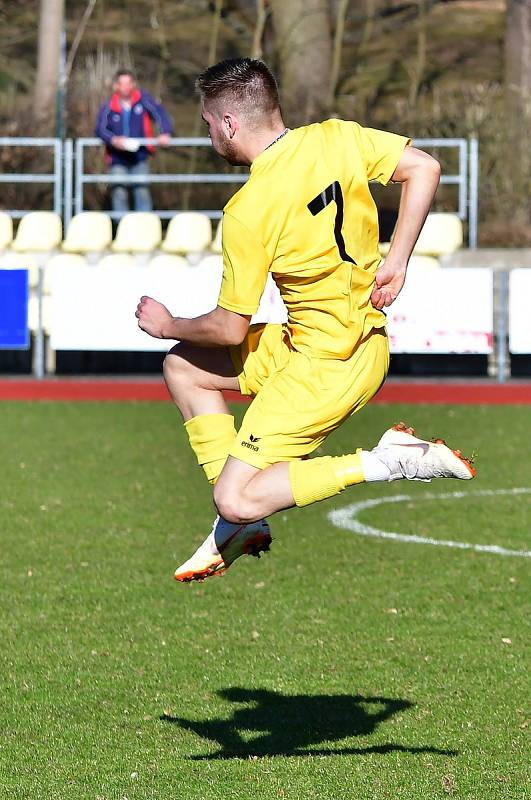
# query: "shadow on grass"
{"points": [[272, 724]]}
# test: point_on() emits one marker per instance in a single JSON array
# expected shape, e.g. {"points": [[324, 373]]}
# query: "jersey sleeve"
{"points": [[245, 268], [380, 151]]}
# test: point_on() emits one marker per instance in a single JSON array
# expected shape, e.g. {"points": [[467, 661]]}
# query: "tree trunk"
{"points": [[518, 100], [50, 26], [304, 47]]}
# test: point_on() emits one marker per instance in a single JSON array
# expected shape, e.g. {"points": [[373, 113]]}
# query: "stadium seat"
{"points": [[188, 232], [88, 232], [33, 314], [27, 261], [212, 261], [442, 234], [122, 260], [216, 246], [6, 230], [167, 261], [419, 264], [58, 263], [138, 232], [38, 232]]}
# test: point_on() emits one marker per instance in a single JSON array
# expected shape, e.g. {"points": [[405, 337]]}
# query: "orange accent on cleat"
{"points": [[435, 462], [404, 428], [217, 568], [466, 461]]}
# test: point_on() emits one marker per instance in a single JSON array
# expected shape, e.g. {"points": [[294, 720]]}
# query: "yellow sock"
{"points": [[211, 436], [324, 477]]}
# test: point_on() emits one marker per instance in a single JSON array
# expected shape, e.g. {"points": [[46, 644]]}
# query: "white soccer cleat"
{"points": [[251, 539], [415, 459]]}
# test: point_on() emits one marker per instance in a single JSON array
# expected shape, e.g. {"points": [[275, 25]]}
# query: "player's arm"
{"points": [[219, 327], [419, 175]]}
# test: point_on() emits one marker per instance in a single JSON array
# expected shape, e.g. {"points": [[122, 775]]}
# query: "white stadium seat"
{"points": [[88, 232], [419, 264], [188, 232], [122, 260], [167, 261], [442, 234], [38, 231], [6, 230], [137, 232], [27, 261], [60, 263], [216, 245], [213, 261], [33, 314]]}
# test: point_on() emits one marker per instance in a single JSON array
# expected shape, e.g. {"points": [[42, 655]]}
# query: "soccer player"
{"points": [[307, 216]]}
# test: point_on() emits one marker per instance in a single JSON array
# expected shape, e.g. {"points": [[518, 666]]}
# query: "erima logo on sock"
{"points": [[254, 438]]}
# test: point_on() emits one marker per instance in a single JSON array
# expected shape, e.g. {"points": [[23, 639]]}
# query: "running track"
{"points": [[57, 389]]}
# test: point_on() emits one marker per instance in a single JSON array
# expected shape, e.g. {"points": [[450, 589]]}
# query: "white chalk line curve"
{"points": [[346, 518]]}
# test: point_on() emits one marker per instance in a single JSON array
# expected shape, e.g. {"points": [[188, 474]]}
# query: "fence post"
{"points": [[68, 170], [38, 357], [473, 193], [501, 329]]}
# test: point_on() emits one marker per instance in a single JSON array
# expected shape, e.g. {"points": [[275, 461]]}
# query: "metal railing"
{"points": [[69, 172], [82, 178], [69, 180], [55, 178], [466, 179]]}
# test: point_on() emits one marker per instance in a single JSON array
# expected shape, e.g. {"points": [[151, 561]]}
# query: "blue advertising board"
{"points": [[14, 333]]}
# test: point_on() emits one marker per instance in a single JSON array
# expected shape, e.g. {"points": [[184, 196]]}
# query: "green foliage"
{"points": [[336, 666]]}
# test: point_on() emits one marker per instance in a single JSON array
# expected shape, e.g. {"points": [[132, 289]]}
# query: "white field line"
{"points": [[347, 518]]}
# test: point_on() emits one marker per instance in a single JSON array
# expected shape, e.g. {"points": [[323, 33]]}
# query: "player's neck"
{"points": [[265, 139]]}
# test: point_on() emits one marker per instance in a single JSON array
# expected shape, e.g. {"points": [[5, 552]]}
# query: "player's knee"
{"points": [[229, 505], [176, 368]]}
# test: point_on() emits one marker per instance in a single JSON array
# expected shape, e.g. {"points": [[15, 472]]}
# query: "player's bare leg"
{"points": [[244, 493], [195, 378]]}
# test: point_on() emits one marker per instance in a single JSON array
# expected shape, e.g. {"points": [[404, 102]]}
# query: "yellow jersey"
{"points": [[306, 215]]}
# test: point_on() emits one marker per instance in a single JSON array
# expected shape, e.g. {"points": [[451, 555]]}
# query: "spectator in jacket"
{"points": [[125, 117]]}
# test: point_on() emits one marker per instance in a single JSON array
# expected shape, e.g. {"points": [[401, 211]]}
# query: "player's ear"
{"points": [[230, 124]]}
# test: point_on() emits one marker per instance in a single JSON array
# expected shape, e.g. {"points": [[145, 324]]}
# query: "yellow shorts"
{"points": [[299, 400]]}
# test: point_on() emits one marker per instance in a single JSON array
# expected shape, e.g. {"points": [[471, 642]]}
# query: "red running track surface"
{"points": [[57, 389]]}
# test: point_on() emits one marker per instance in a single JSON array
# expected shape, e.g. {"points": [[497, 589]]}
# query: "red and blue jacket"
{"points": [[113, 120]]}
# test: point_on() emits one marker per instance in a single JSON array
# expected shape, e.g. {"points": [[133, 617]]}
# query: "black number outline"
{"points": [[331, 194]]}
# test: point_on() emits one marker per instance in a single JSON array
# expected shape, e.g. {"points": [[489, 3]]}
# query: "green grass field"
{"points": [[337, 666]]}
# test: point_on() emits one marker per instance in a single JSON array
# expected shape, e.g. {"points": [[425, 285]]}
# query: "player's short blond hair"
{"points": [[247, 81]]}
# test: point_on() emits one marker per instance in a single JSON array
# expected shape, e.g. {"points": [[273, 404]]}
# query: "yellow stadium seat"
{"points": [[88, 232], [138, 232], [216, 246], [22, 261], [38, 231], [442, 234], [121, 260], [167, 261], [6, 230], [188, 232], [60, 263]]}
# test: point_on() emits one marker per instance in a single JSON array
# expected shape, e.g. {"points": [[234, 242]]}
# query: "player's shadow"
{"points": [[267, 723]]}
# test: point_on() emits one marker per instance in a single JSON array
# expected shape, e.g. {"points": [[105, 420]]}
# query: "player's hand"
{"points": [[387, 285], [153, 318], [164, 139], [118, 142]]}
